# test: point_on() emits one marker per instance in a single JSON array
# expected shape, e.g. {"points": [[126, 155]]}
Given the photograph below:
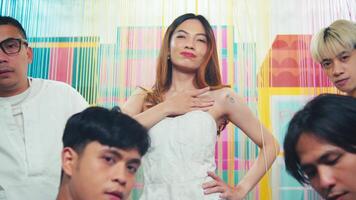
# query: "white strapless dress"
{"points": [[182, 151]]}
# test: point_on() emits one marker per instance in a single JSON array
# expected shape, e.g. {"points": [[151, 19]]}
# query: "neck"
{"points": [[64, 193], [182, 81], [16, 89], [353, 93]]}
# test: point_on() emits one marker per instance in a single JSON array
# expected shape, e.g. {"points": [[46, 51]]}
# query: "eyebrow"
{"points": [[119, 155], [183, 31], [338, 55], [112, 151], [14, 38], [135, 161], [343, 53]]}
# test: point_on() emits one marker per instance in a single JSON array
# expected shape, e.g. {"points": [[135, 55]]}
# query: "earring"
{"points": [[168, 57]]}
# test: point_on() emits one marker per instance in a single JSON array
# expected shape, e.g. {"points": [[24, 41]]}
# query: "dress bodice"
{"points": [[182, 151]]}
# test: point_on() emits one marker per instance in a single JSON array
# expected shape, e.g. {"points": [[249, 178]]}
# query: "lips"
{"points": [[341, 82], [336, 196], [5, 70], [188, 54], [115, 195]]}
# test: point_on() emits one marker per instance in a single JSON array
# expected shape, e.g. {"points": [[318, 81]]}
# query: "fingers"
{"points": [[209, 184], [217, 185], [214, 186], [202, 108], [224, 196], [182, 102], [198, 92], [216, 189], [214, 176], [206, 109], [201, 104], [205, 98]]}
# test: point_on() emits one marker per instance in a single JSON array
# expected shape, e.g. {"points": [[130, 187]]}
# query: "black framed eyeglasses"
{"points": [[12, 46]]}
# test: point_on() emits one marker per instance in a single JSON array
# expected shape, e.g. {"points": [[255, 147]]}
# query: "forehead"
{"points": [[310, 148], [9, 31], [192, 26]]}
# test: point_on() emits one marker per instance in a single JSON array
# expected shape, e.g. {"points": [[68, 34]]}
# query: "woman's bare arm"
{"points": [[237, 111]]}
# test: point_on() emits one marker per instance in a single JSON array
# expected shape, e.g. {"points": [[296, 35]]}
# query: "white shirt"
{"points": [[31, 129], [16, 102]]}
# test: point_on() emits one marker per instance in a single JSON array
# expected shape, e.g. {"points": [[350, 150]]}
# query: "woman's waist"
{"points": [[184, 190], [179, 174], [185, 182]]}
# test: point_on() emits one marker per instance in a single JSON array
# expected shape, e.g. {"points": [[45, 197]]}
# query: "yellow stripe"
{"points": [[269, 91], [265, 191], [196, 7], [230, 80], [264, 95]]}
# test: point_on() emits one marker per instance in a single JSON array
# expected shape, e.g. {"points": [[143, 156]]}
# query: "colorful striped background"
{"points": [[106, 48]]}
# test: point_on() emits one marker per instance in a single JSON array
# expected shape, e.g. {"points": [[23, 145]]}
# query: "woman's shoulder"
{"points": [[138, 95], [135, 102], [141, 91]]}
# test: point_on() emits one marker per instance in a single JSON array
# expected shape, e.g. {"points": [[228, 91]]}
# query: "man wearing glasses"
{"points": [[33, 113], [334, 47]]}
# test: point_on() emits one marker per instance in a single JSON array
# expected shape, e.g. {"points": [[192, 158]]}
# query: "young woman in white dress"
{"points": [[186, 108]]}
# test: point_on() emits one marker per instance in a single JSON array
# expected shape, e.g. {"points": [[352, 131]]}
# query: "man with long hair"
{"points": [[320, 146]]}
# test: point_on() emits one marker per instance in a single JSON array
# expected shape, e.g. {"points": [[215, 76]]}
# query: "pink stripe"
{"points": [[141, 72], [61, 62], [144, 38], [224, 70], [224, 38]]}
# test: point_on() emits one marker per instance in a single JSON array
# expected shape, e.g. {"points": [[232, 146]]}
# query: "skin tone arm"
{"points": [[241, 116], [176, 104]]}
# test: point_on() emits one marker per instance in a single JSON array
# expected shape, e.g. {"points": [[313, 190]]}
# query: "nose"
{"points": [[326, 178], [120, 175], [190, 44], [338, 68]]}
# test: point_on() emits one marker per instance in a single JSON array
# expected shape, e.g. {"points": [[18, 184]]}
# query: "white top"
{"points": [[182, 151], [31, 129]]}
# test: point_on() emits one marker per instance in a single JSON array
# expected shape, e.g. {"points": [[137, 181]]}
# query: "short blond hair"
{"points": [[332, 40]]}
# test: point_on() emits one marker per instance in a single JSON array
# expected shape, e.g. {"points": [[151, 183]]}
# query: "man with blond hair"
{"points": [[334, 47]]}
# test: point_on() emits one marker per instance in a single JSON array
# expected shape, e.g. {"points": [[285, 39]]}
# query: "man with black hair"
{"points": [[320, 146], [101, 155], [33, 113]]}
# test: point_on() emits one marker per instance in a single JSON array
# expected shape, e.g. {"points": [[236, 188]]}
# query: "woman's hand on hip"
{"points": [[217, 185]]}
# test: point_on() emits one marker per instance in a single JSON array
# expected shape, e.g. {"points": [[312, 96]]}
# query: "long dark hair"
{"points": [[208, 73]]}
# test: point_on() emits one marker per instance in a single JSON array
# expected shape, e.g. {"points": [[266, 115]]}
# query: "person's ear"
{"points": [[69, 160], [29, 54]]}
